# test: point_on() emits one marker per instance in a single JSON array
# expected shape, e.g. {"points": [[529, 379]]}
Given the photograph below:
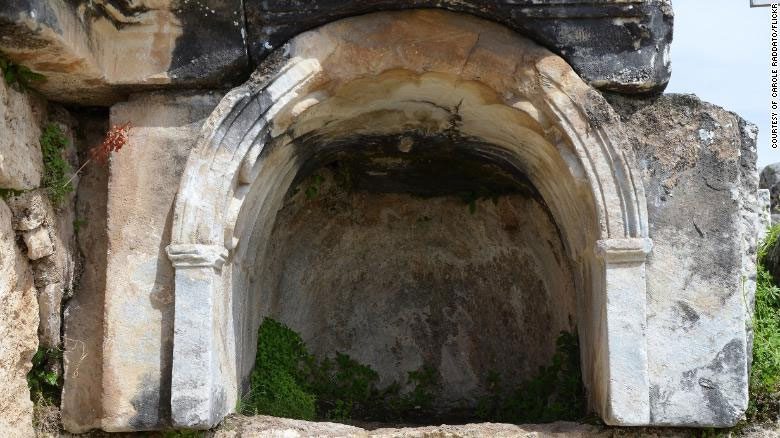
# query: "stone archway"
{"points": [[387, 74]]}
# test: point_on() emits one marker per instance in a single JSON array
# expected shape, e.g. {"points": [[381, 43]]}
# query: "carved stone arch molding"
{"points": [[392, 73]]}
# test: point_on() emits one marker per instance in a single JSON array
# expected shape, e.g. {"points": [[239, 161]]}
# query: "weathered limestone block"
{"points": [[701, 185], [29, 210], [49, 300], [144, 178], [96, 52], [38, 243], [613, 44], [49, 239], [21, 163], [18, 325]]}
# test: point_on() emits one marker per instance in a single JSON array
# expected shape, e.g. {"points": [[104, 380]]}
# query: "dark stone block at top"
{"points": [[615, 45]]}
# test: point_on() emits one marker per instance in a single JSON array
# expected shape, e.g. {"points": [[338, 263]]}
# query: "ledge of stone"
{"points": [[95, 53], [614, 45]]}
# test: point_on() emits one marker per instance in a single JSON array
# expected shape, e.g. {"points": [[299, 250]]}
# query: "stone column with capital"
{"points": [[625, 331], [196, 401]]}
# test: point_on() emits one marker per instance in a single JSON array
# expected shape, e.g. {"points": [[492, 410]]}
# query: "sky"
{"points": [[721, 53]]}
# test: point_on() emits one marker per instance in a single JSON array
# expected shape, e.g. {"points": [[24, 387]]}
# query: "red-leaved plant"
{"points": [[115, 139]]}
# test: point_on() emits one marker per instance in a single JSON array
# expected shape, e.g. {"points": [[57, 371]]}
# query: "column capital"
{"points": [[197, 255], [629, 250]]}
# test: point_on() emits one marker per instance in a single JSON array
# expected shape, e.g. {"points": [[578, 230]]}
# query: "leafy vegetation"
{"points": [[288, 381], [78, 223], [7, 193], [314, 188], [765, 371], [555, 394], [43, 379], [56, 168], [278, 381], [18, 76]]}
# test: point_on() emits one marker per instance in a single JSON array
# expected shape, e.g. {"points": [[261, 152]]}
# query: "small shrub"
{"points": [[279, 378], [8, 193], [289, 382], [555, 394], [43, 379], [765, 370], [426, 385], [344, 387], [45, 384], [56, 168]]}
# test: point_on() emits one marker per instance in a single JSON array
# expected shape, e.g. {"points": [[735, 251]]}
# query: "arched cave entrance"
{"points": [[423, 116], [413, 251]]}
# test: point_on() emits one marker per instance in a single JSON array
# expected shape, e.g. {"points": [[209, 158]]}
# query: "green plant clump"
{"points": [[17, 75], [555, 394], [8, 193], [278, 381], [765, 370], [56, 168], [288, 381], [43, 380]]}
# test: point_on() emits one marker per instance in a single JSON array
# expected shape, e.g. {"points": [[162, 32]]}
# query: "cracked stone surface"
{"points": [[83, 47], [19, 328]]}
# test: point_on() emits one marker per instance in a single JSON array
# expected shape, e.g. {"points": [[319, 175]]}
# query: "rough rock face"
{"points": [[96, 52], [48, 246], [701, 186], [21, 163], [398, 281], [18, 325], [614, 45], [85, 47], [38, 258]]}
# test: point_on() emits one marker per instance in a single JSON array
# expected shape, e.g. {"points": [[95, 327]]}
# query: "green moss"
{"points": [[56, 168], [78, 223], [8, 193], [314, 188], [18, 76]]}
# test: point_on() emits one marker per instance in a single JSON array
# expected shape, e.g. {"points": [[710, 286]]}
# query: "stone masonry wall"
{"points": [[38, 261]]}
